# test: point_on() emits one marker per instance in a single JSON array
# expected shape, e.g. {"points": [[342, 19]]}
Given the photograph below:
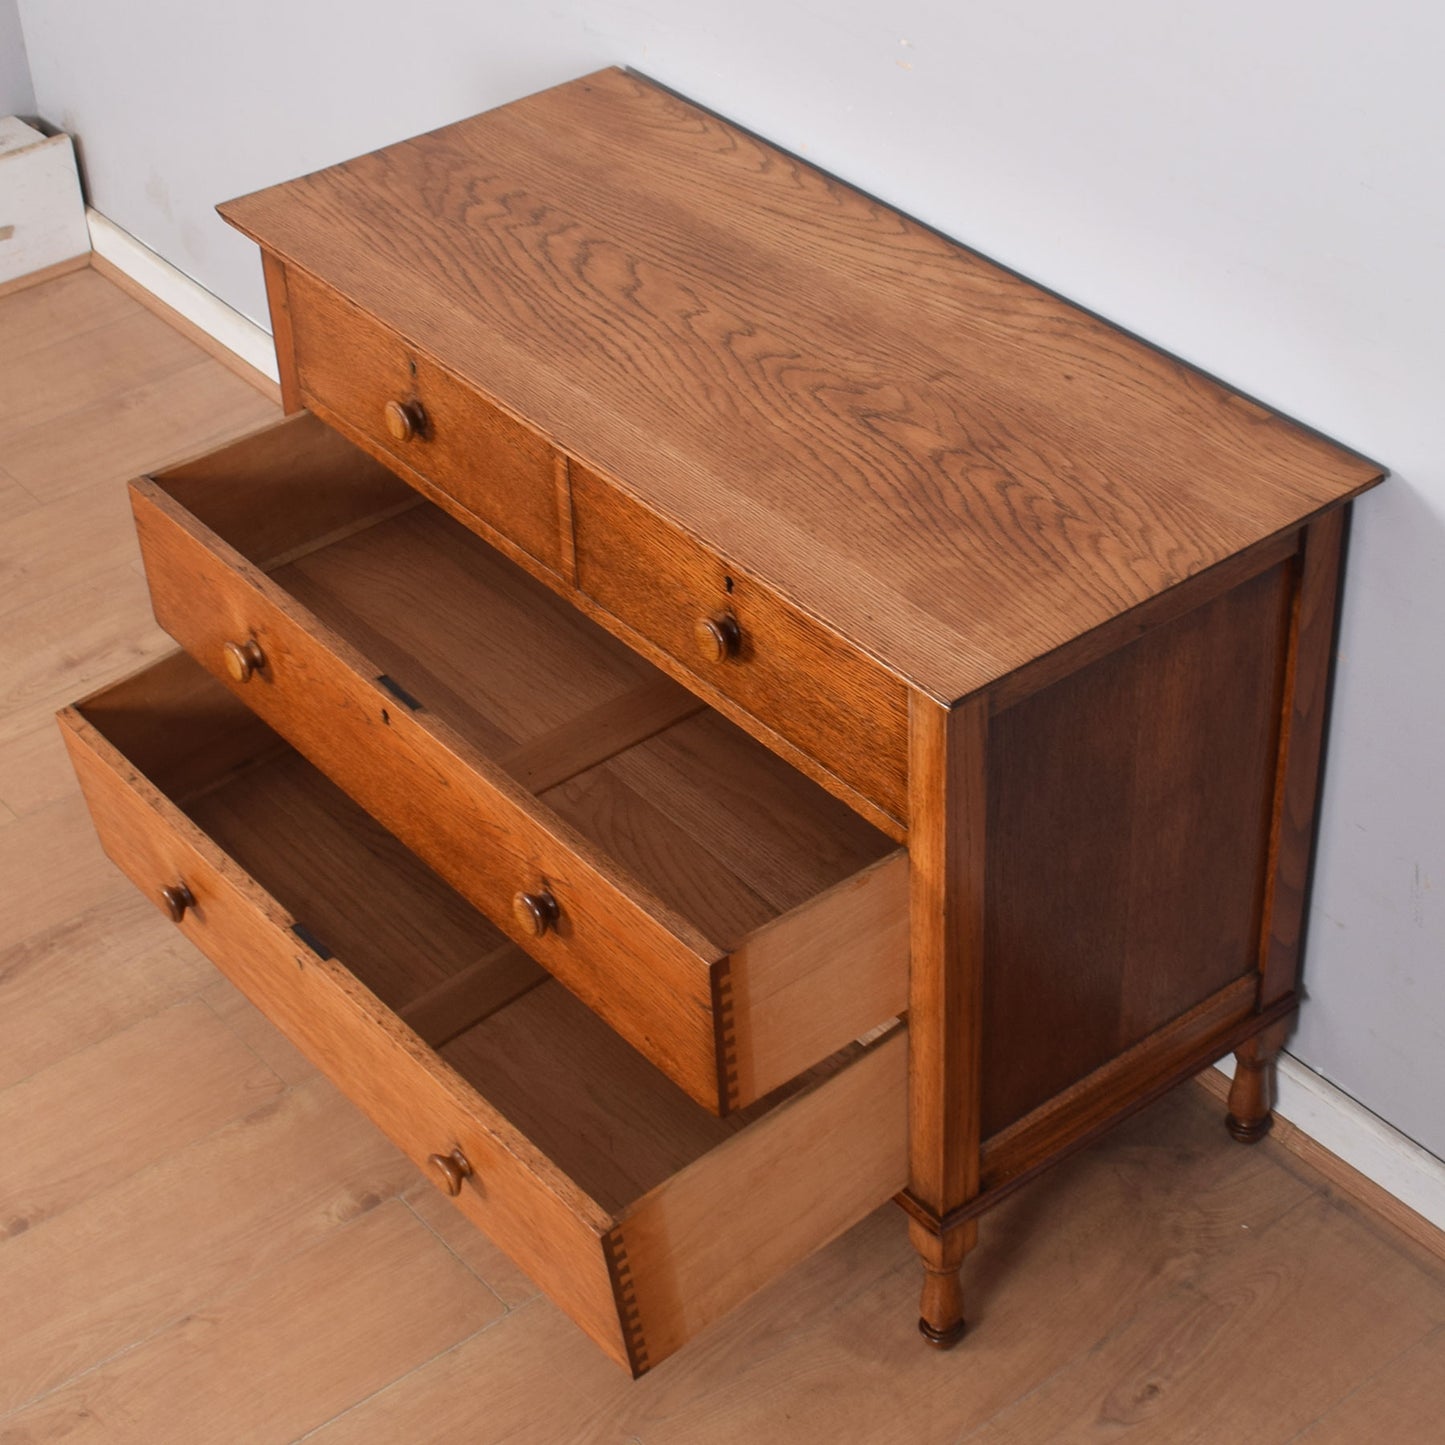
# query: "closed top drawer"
{"points": [[440, 433], [643, 1216], [737, 637], [729, 918]]}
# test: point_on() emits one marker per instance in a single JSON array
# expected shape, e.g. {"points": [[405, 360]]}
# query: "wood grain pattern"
{"points": [[807, 1170], [253, 1028], [64, 542], [471, 994], [154, 419], [949, 783], [510, 1284], [43, 385], [475, 640], [33, 767], [717, 827], [359, 1309], [424, 938], [797, 891], [1128, 627], [1166, 1370], [279, 490], [102, 969], [600, 733], [278, 304], [805, 681], [15, 501], [498, 468], [1301, 754], [988, 472], [36, 317], [52, 868], [1126, 1082], [596, 1108], [184, 1076], [71, 641], [1401, 1402], [856, 940], [1128, 825], [163, 1241]]}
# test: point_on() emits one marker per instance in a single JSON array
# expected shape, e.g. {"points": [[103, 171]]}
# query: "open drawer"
{"points": [[640, 1213], [726, 915]]}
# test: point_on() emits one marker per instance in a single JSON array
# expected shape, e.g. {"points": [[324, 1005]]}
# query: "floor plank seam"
{"points": [[287, 1085], [416, 1369], [1437, 1332], [1198, 1285], [1340, 1197], [157, 371], [138, 1021], [506, 1309], [1383, 1230]]}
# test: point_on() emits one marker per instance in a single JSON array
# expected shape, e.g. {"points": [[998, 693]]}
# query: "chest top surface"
{"points": [[956, 470]]}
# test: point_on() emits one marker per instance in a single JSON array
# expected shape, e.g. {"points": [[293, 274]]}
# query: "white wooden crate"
{"points": [[42, 215]]}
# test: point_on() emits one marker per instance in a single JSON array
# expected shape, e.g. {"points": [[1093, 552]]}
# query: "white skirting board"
{"points": [[234, 331], [1363, 1140]]}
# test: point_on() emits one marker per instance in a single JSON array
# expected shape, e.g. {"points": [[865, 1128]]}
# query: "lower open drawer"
{"points": [[640, 1213]]}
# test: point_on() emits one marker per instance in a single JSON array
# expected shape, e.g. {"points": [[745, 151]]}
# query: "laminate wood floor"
{"points": [[201, 1241]]}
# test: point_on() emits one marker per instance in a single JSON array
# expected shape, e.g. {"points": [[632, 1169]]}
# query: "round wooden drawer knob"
{"points": [[405, 420], [243, 659], [535, 912], [177, 898], [452, 1168], [718, 638]]}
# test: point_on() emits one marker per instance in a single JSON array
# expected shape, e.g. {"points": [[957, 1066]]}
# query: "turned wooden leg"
{"points": [[940, 1317], [1251, 1096]]}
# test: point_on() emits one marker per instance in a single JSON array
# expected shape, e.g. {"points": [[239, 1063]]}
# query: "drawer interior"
{"points": [[611, 1121], [703, 816]]}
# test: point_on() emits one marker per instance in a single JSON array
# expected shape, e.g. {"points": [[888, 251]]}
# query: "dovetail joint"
{"points": [[726, 1035], [625, 1292]]}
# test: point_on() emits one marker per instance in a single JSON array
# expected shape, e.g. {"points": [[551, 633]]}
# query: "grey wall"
{"points": [[17, 97], [1256, 187]]}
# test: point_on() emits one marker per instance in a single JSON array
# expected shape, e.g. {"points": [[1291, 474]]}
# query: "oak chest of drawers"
{"points": [[720, 707]]}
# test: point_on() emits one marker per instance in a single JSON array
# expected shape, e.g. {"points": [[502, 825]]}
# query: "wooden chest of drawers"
{"points": [[721, 707]]}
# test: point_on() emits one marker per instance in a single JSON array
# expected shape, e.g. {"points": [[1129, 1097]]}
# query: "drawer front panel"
{"points": [[829, 700], [526, 1205], [649, 974], [419, 418]]}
